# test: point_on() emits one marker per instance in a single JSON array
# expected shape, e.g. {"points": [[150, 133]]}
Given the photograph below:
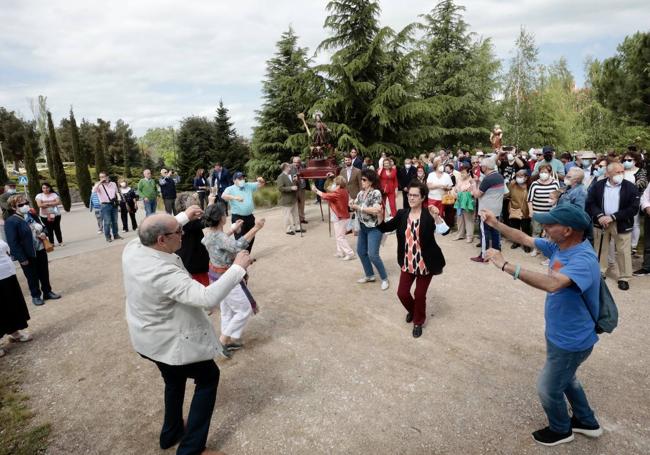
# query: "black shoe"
{"points": [[478, 245], [417, 331], [514, 246], [234, 346], [117, 237], [409, 317], [527, 249], [291, 233], [304, 222], [171, 442], [37, 301], [623, 285], [51, 296], [641, 272], [548, 437], [587, 430], [109, 240]]}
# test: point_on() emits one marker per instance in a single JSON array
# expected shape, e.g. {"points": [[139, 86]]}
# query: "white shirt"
{"points": [[166, 308], [611, 198], [437, 193], [7, 267]]}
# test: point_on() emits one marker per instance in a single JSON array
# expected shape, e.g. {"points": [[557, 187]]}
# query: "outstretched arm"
{"points": [[515, 235]]}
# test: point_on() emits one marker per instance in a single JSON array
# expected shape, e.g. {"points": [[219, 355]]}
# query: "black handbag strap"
{"points": [[109, 198]]}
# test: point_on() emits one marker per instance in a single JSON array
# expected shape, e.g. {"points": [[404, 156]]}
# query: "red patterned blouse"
{"points": [[413, 260]]}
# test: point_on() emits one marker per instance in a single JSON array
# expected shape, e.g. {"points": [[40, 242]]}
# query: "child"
{"points": [[96, 206]]}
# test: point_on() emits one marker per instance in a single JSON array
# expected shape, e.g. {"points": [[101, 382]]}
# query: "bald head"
{"points": [[154, 226]]}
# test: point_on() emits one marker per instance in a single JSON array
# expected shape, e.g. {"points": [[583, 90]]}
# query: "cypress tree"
{"points": [[33, 179], [127, 161], [81, 164], [48, 155], [3, 173], [57, 164], [196, 148], [100, 159]]}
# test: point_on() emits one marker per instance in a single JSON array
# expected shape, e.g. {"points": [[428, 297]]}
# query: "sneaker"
{"points": [[587, 430], [22, 337], [224, 351], [534, 253], [100, 232], [109, 240], [117, 237], [37, 301], [234, 346], [641, 272], [291, 233], [384, 285], [635, 254], [349, 257], [366, 279], [51, 296], [548, 437]]}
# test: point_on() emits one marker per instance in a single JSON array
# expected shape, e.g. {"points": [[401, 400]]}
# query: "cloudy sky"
{"points": [[153, 62]]}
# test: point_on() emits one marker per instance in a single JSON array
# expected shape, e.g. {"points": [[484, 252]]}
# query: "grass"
{"points": [[17, 436]]}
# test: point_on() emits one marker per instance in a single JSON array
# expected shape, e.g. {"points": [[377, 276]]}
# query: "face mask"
{"points": [[333, 187], [441, 168], [628, 164], [24, 209], [407, 166], [586, 163], [599, 172], [617, 179], [11, 191], [510, 158], [241, 183], [521, 180], [567, 181], [543, 175], [123, 184]]}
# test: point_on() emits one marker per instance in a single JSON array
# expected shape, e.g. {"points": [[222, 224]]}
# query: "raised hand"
{"points": [[259, 224], [488, 217], [193, 212]]}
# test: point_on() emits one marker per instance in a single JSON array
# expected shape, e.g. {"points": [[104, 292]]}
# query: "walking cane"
{"points": [[329, 219]]}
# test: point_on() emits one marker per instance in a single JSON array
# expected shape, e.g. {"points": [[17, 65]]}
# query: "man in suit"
{"points": [[288, 188], [404, 176], [352, 176], [296, 167], [220, 178], [357, 161], [612, 204]]}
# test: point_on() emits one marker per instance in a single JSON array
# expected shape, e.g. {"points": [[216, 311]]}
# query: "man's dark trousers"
{"points": [[206, 380], [249, 223]]}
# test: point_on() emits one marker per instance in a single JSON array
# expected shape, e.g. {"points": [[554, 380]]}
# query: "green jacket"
{"points": [[147, 188], [465, 201], [287, 195]]}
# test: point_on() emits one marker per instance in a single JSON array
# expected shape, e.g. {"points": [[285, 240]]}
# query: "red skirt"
{"points": [[201, 278]]}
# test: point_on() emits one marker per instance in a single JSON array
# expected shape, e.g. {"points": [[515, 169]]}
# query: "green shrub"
{"points": [[267, 196]]}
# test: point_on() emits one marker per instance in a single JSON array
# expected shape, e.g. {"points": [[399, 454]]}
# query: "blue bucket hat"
{"points": [[570, 215]]}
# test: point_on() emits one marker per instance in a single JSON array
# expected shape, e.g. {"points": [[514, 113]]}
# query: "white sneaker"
{"points": [[366, 279], [338, 255], [384, 285], [349, 257], [533, 253], [100, 232]]}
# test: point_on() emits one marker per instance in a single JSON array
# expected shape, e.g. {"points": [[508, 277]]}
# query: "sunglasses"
{"points": [[177, 231], [628, 161], [363, 179], [23, 204]]}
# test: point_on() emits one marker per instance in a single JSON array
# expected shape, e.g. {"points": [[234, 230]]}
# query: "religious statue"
{"points": [[320, 130], [496, 138]]}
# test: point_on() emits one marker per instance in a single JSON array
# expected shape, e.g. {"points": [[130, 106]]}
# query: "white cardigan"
{"points": [[166, 308]]}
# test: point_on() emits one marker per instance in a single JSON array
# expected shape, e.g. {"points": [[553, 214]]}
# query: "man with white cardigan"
{"points": [[166, 311]]}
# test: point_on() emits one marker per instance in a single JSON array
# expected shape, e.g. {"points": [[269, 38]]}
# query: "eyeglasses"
{"points": [[177, 231], [23, 204], [414, 196]]}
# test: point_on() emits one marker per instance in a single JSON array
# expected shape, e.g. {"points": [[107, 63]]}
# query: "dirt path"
{"points": [[329, 365]]}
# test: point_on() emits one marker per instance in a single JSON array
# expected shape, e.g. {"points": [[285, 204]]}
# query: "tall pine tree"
{"points": [[57, 164], [196, 147], [100, 157], [33, 178], [80, 162]]}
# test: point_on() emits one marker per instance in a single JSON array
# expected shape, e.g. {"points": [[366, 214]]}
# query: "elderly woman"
{"points": [[14, 310], [464, 204], [48, 203], [25, 233], [634, 172], [438, 182], [539, 197], [338, 198], [239, 305], [128, 205], [192, 252], [418, 254], [518, 212], [367, 206]]}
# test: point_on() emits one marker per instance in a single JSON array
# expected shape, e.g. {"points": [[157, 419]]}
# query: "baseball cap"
{"points": [[547, 149], [238, 175], [570, 215]]}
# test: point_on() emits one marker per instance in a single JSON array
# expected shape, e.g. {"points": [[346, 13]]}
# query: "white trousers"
{"points": [[235, 312]]}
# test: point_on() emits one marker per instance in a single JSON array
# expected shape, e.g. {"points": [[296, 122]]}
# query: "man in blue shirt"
{"points": [[572, 284], [240, 197]]}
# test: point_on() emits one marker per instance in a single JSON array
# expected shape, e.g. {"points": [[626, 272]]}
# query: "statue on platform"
{"points": [[496, 138]]}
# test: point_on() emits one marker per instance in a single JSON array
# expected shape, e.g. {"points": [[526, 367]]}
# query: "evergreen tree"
{"points": [[87, 141], [100, 160], [12, 133], [224, 135], [39, 109], [57, 164], [80, 162], [33, 178], [126, 158], [147, 162], [3, 173], [196, 147], [457, 76], [290, 87]]}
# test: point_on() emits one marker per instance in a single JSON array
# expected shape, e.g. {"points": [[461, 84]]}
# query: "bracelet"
{"points": [[503, 269], [517, 271]]}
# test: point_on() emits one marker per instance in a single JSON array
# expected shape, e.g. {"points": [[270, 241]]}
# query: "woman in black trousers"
{"points": [[201, 187]]}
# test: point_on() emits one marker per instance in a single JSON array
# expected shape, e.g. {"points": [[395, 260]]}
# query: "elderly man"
{"points": [[148, 192], [490, 197], [575, 192], [288, 200], [572, 284], [167, 319], [296, 168], [612, 204]]}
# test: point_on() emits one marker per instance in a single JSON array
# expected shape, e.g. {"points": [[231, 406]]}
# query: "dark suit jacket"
{"points": [[19, 238], [354, 184], [628, 204], [404, 176], [225, 180], [357, 162], [431, 252]]}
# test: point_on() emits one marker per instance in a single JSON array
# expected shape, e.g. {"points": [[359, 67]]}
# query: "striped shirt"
{"points": [[540, 195]]}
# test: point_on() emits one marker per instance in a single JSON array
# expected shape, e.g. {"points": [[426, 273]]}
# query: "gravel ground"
{"points": [[329, 365]]}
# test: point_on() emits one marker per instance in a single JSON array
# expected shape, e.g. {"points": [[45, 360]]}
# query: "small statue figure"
{"points": [[320, 130], [496, 138]]}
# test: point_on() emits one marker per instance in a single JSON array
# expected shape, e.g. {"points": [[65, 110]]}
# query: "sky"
{"points": [[155, 62]]}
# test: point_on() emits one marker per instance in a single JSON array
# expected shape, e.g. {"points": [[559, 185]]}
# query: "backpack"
{"points": [[607, 311]]}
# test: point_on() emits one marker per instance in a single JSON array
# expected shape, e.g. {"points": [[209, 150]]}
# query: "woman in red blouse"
{"points": [[338, 199], [418, 254], [388, 184]]}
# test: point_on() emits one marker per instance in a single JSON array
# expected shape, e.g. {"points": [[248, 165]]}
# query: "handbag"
{"points": [[47, 245], [448, 199]]}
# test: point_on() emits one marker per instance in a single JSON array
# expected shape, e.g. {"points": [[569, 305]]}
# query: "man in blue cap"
{"points": [[548, 153], [240, 197], [572, 284]]}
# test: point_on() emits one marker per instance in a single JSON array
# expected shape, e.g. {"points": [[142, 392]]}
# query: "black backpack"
{"points": [[607, 311]]}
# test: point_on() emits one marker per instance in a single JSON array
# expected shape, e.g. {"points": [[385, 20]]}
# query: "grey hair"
{"points": [[184, 200], [489, 163], [579, 174], [283, 166], [150, 232], [611, 166]]}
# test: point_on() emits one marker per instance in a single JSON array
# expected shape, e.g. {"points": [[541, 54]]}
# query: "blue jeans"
{"points": [[490, 238], [557, 380], [368, 244], [149, 206], [109, 218]]}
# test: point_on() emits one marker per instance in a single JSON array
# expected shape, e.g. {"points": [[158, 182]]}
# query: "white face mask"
{"points": [[617, 179], [11, 191], [241, 183], [586, 162], [511, 158], [521, 180], [567, 181], [24, 209], [441, 169], [543, 175], [628, 164], [123, 184], [333, 187], [407, 166]]}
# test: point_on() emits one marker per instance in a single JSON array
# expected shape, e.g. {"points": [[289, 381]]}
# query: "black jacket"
{"points": [[431, 252], [404, 176], [167, 187], [628, 205], [192, 252]]}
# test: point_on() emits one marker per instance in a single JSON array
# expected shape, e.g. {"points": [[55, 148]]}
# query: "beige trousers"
{"points": [[466, 225], [301, 203], [291, 217], [623, 250]]}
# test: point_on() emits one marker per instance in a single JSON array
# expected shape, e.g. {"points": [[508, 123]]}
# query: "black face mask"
{"points": [[548, 157]]}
